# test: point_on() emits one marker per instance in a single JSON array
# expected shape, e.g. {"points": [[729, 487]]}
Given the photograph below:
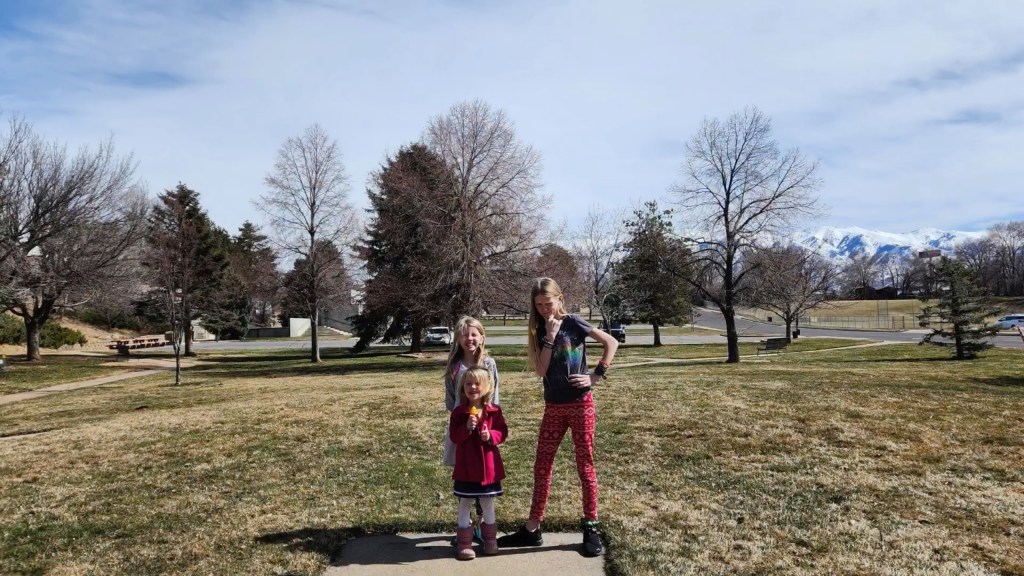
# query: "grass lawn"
{"points": [[22, 376], [879, 460]]}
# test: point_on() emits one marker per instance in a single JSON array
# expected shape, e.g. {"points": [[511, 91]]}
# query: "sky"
{"points": [[913, 109]]}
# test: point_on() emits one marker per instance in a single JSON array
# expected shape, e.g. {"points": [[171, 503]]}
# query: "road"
{"points": [[714, 320], [635, 334]]}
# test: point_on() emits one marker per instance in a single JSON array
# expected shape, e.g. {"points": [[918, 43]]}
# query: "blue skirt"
{"points": [[476, 490]]}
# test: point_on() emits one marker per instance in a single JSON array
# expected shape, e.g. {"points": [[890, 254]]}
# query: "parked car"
{"points": [[1010, 321], [616, 329], [439, 335]]}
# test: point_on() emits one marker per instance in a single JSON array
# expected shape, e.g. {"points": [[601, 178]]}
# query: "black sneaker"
{"points": [[592, 538], [521, 537]]}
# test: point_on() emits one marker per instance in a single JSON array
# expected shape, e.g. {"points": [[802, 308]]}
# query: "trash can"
{"points": [[796, 334]]}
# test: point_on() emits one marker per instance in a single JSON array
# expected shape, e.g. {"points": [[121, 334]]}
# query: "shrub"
{"points": [[54, 336], [12, 330]]}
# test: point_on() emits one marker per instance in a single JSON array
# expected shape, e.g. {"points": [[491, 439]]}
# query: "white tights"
{"points": [[466, 506]]}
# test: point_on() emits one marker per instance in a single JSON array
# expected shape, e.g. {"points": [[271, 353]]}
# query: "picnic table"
{"points": [[124, 346]]}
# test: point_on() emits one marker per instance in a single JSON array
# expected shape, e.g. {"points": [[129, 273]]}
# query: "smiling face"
{"points": [[470, 339], [475, 386], [473, 391]]}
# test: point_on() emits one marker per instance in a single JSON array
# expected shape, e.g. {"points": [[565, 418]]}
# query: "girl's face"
{"points": [[470, 339], [546, 305], [471, 388]]}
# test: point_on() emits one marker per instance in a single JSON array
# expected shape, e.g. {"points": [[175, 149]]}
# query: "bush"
{"points": [[54, 336], [12, 330]]}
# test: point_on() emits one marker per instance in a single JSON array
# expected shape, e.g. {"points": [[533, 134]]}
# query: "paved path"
{"points": [[433, 555], [38, 393]]}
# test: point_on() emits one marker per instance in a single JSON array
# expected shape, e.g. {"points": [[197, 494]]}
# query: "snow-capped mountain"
{"points": [[843, 243]]}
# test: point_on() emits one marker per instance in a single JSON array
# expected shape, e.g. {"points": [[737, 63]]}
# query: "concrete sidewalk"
{"points": [[56, 389], [433, 554]]}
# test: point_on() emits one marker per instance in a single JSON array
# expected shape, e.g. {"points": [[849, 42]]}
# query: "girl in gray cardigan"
{"points": [[467, 350]]}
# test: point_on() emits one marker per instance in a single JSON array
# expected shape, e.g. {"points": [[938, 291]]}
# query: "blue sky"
{"points": [[915, 109]]}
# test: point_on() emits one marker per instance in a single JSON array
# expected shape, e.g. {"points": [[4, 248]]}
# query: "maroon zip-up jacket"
{"points": [[476, 460]]}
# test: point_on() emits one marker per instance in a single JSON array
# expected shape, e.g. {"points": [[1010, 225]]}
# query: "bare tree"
{"points": [[740, 189], [1008, 243], [980, 258], [68, 225], [858, 275], [791, 280], [597, 245], [497, 214], [306, 206]]}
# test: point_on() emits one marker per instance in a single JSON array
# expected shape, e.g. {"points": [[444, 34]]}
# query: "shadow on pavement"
{"points": [[360, 551]]}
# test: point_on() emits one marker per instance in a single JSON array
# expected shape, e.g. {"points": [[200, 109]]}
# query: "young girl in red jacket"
{"points": [[477, 428]]}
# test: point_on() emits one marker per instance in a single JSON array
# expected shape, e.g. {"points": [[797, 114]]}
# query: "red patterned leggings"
{"points": [[580, 418]]}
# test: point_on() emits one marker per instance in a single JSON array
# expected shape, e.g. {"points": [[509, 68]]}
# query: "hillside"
{"points": [[98, 338]]}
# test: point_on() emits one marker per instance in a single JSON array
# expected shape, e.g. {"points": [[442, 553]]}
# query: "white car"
{"points": [[1010, 321], [439, 335]]}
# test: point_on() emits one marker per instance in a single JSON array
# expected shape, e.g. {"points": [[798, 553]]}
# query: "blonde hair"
{"points": [[482, 376], [465, 323], [541, 287]]}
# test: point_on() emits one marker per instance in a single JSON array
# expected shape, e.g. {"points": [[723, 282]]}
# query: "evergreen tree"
{"points": [[647, 287], [186, 256], [248, 286], [308, 288], [962, 309], [414, 275]]}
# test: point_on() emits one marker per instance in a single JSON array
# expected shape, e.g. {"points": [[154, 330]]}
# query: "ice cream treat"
{"points": [[473, 412]]}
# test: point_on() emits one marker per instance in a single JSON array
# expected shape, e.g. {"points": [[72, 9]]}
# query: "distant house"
{"points": [[872, 293]]}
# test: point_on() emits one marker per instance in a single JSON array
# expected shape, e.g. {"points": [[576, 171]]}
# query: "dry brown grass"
{"points": [[885, 460]]}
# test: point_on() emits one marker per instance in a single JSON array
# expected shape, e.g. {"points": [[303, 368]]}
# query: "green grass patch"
{"points": [[22, 376], [884, 459]]}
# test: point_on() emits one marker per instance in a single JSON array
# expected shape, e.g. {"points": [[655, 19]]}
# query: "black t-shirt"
{"points": [[568, 357]]}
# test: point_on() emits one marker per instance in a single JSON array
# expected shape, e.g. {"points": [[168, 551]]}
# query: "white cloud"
{"points": [[914, 109]]}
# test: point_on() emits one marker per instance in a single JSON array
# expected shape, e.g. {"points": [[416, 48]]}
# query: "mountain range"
{"points": [[842, 243]]}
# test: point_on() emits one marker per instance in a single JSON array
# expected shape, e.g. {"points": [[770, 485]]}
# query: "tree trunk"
{"points": [[314, 340], [177, 363], [416, 340], [189, 337], [789, 328], [657, 333], [32, 328], [731, 336]]}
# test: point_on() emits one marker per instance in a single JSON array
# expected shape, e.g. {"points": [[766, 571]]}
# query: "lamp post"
{"points": [[604, 317]]}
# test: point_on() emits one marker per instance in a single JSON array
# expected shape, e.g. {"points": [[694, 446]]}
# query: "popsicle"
{"points": [[473, 412]]}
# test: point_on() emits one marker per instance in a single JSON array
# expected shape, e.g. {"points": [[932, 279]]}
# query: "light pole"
{"points": [[604, 317]]}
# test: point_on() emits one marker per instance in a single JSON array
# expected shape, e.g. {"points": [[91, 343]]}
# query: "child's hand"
{"points": [[485, 434], [581, 380], [471, 423], [553, 324]]}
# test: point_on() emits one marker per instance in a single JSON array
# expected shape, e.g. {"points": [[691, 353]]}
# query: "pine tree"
{"points": [[962, 309], [414, 275], [185, 255], [645, 288]]}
